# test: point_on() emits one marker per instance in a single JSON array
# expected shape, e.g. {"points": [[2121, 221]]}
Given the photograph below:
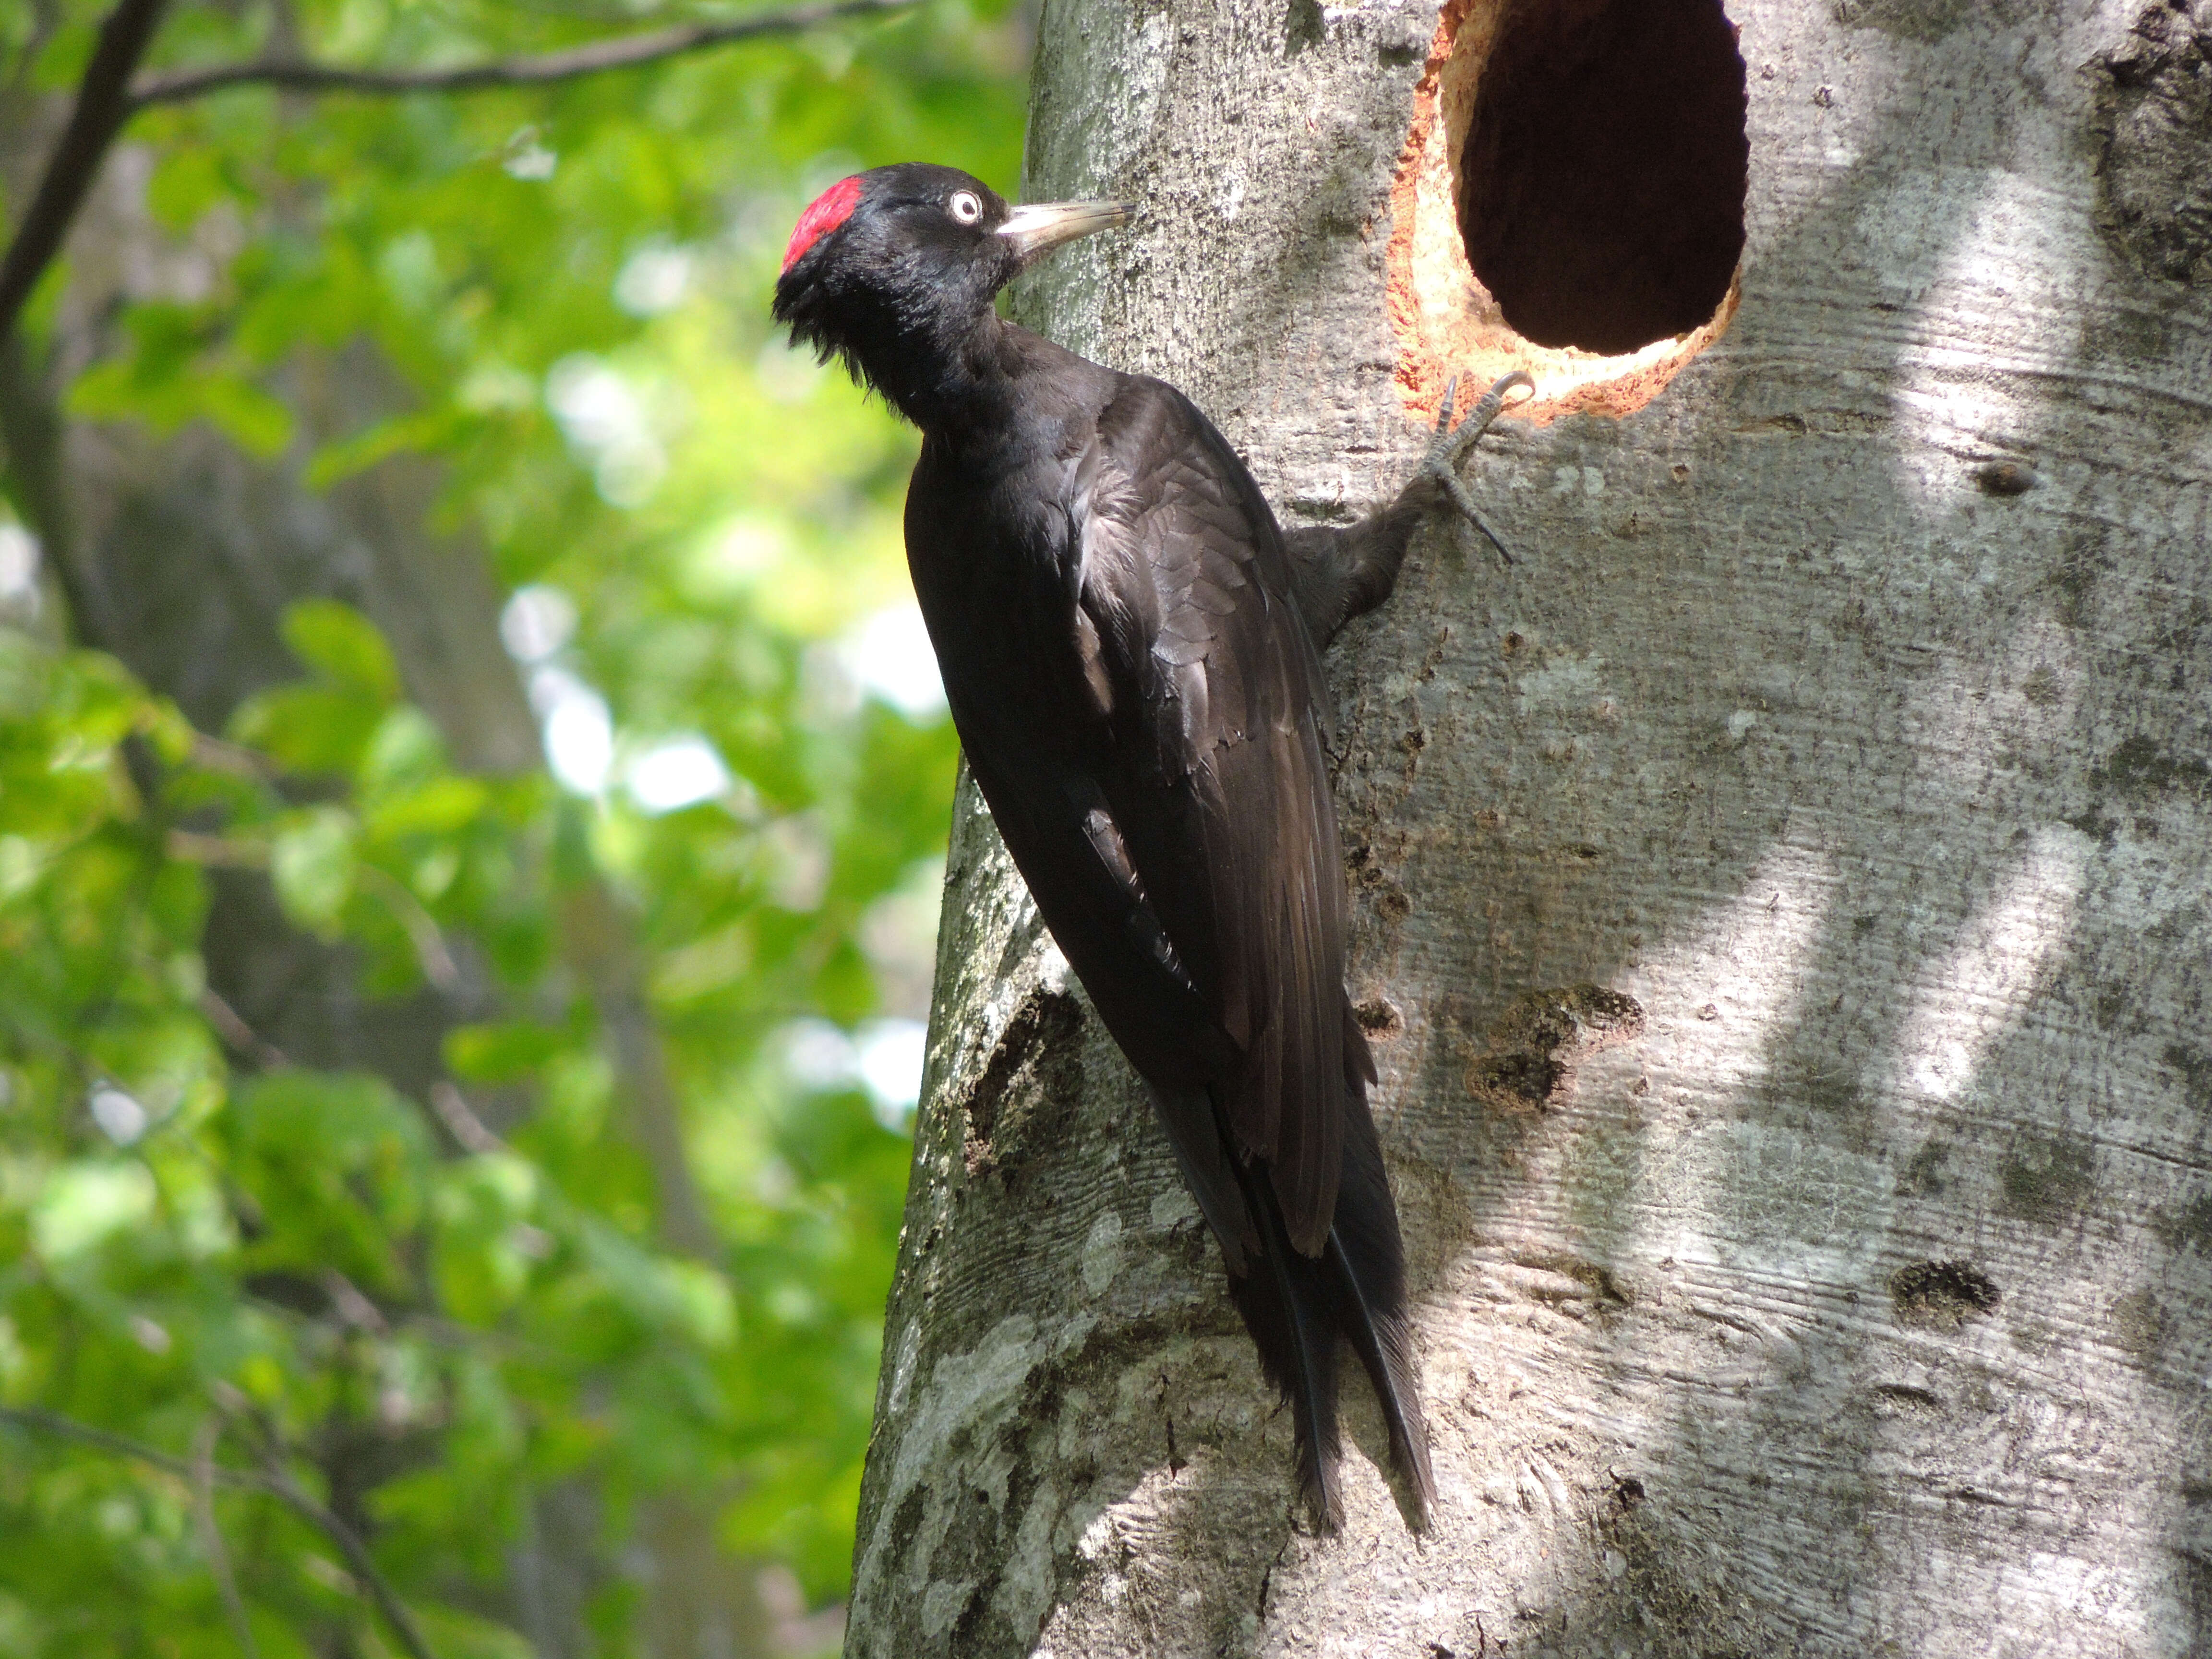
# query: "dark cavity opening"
{"points": [[1602, 182]]}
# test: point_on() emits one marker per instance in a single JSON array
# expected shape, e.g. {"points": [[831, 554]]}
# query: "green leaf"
{"points": [[187, 183], [312, 862], [256, 422], [407, 748], [436, 808], [501, 1053], [309, 729], [343, 646], [408, 433]]}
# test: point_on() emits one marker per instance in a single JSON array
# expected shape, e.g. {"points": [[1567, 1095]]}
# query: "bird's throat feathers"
{"points": [[935, 365]]}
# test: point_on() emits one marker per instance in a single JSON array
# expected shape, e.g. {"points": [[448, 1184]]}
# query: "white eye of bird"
{"points": [[965, 206]]}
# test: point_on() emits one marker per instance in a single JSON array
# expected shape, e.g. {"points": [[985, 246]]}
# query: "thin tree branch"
{"points": [[281, 1485], [275, 1482], [215, 852], [234, 759], [432, 954], [237, 1035], [460, 1119], [107, 97], [103, 105], [39, 1421], [211, 1544], [623, 51]]}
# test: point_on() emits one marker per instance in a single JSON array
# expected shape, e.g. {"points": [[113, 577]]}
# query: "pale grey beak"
{"points": [[1040, 227]]}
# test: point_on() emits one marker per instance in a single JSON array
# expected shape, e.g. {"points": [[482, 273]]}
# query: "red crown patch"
{"points": [[830, 210]]}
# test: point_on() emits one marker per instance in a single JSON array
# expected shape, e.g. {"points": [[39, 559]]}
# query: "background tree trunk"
{"points": [[1781, 905]]}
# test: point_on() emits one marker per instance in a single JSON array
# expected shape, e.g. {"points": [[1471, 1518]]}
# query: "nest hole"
{"points": [[1570, 199], [1602, 179]]}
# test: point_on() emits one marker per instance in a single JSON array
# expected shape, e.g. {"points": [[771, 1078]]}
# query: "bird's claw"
{"points": [[1450, 445]]}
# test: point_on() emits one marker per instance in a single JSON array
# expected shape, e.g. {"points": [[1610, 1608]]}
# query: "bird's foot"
{"points": [[1450, 447]]}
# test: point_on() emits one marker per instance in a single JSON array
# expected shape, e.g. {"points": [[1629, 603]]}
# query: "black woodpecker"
{"points": [[1131, 648]]}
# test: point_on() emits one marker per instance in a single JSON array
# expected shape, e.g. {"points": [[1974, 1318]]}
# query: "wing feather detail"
{"points": [[1222, 796]]}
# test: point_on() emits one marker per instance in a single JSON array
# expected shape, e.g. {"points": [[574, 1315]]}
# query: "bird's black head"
{"points": [[895, 270]]}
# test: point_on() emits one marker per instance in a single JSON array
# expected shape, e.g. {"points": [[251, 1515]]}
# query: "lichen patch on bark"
{"points": [[2150, 122], [1538, 1042], [1942, 1295], [1034, 1065]]}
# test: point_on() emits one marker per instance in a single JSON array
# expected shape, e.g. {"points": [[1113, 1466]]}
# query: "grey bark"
{"points": [[1782, 909]]}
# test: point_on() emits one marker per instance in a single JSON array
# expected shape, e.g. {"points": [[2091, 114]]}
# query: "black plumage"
{"points": [[1131, 650]]}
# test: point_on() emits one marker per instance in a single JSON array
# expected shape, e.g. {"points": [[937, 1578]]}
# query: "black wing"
{"points": [[1217, 783], [1195, 653]]}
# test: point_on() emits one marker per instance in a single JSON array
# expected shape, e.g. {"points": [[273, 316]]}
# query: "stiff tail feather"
{"points": [[1287, 1306], [1296, 1306], [1367, 1254], [1367, 1266]]}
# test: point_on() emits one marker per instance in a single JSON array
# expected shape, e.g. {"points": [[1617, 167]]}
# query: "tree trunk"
{"points": [[1780, 898]]}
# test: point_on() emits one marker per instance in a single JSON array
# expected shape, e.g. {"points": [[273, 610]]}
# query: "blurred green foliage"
{"points": [[572, 282]]}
